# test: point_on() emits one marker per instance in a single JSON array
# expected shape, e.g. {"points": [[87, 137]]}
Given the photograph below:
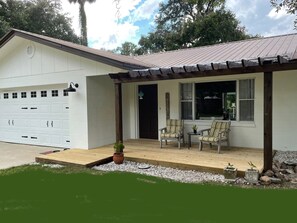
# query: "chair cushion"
{"points": [[169, 135], [210, 138], [218, 126], [173, 126]]}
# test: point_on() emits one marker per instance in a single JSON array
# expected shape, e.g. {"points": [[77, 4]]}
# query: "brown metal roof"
{"points": [[284, 45], [251, 49], [121, 61]]}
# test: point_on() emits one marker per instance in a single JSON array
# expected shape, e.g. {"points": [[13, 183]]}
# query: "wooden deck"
{"points": [[148, 151]]}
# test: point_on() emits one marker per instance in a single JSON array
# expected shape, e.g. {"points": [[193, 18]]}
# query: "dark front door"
{"points": [[148, 111]]}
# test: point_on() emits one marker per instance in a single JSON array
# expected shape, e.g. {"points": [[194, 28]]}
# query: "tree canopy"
{"points": [[289, 5], [38, 16], [191, 23]]}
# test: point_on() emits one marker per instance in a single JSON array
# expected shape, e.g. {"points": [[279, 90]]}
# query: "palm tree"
{"points": [[82, 19]]}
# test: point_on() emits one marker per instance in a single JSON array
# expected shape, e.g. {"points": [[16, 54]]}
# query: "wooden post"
{"points": [[118, 112], [268, 81]]}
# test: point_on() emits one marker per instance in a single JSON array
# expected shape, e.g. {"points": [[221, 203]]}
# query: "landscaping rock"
{"points": [[275, 180], [269, 173], [265, 180], [290, 162], [290, 171]]}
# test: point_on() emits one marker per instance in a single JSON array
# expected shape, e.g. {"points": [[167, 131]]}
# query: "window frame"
{"points": [[237, 119]]}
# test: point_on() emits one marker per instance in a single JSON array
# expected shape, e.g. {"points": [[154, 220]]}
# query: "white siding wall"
{"points": [[101, 111], [285, 110]]}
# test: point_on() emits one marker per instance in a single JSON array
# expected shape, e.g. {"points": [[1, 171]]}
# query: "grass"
{"points": [[38, 194]]}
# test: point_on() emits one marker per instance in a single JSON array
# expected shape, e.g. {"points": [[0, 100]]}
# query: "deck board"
{"points": [[148, 151]]}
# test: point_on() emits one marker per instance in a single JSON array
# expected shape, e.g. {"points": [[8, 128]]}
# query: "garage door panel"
{"points": [[40, 120]]}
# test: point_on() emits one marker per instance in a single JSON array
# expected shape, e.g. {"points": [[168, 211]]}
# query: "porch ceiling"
{"points": [[265, 64]]}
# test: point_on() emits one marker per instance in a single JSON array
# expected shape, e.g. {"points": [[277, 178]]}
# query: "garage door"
{"points": [[38, 117]]}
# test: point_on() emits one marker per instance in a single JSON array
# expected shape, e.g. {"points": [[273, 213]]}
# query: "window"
{"points": [[5, 96], [186, 100], [43, 94], [14, 95], [23, 94], [65, 93], [55, 93], [246, 99], [33, 94], [218, 100]]}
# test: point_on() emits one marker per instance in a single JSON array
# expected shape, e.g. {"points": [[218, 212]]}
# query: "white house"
{"points": [[252, 82]]}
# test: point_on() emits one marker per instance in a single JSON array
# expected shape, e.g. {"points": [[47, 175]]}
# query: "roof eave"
{"points": [[78, 52]]}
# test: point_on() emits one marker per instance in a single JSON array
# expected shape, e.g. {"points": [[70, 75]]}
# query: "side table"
{"points": [[190, 134]]}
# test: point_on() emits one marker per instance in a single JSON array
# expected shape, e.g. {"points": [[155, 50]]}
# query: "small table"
{"points": [[190, 134]]}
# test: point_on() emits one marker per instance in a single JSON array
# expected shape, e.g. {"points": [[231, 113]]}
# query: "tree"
{"points": [[289, 5], [189, 23], [127, 48], [83, 19], [38, 16]]}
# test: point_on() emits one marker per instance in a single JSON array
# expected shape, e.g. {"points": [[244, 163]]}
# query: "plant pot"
{"points": [[230, 174], [251, 176], [118, 158], [195, 131]]}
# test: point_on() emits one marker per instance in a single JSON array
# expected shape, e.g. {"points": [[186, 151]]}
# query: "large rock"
{"points": [[280, 176], [275, 180], [290, 162], [265, 180], [283, 166], [290, 171], [269, 173], [295, 169]]}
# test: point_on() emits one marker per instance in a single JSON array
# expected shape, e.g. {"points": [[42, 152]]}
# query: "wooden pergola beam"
{"points": [[204, 71], [268, 136]]}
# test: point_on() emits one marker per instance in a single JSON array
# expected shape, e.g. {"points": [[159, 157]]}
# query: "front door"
{"points": [[148, 111]]}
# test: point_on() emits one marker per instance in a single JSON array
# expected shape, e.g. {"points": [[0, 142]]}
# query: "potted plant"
{"points": [[118, 156], [194, 127], [230, 172], [252, 174]]}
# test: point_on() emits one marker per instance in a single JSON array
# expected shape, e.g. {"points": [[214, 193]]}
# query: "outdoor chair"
{"points": [[218, 133], [174, 130]]}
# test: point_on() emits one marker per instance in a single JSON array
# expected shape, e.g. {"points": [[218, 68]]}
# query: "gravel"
{"points": [[184, 176], [282, 156]]}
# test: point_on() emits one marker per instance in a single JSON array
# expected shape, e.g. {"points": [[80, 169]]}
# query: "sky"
{"points": [[108, 27]]}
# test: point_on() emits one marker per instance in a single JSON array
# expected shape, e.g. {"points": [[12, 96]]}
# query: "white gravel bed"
{"points": [[282, 156], [185, 176]]}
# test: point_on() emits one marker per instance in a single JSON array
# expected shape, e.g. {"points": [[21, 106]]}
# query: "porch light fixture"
{"points": [[72, 87], [140, 95]]}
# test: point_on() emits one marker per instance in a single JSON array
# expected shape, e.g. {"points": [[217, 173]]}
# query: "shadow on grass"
{"points": [[37, 194]]}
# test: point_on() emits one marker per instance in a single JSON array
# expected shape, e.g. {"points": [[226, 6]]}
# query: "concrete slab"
{"points": [[12, 154]]}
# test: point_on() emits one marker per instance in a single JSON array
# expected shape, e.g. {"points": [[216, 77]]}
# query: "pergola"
{"points": [[265, 65]]}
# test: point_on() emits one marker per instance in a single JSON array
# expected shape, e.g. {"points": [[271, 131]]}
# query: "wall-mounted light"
{"points": [[72, 87], [140, 95]]}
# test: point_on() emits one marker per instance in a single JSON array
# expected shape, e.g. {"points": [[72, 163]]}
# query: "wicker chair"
{"points": [[218, 133], [174, 130]]}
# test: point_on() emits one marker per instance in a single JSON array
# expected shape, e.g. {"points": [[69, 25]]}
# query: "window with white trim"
{"points": [[246, 99], [218, 100]]}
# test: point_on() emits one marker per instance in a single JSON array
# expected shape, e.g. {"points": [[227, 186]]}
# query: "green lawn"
{"points": [[35, 194]]}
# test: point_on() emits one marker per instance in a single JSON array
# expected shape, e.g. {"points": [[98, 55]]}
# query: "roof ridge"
{"points": [[217, 44]]}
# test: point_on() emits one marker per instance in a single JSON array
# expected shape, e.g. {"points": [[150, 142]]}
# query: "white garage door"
{"points": [[38, 117]]}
